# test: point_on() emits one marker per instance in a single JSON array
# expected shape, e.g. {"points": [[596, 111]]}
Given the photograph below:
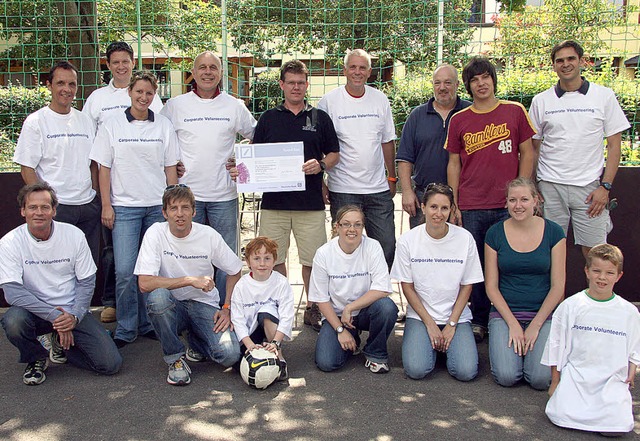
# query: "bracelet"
{"points": [[392, 179], [226, 306]]}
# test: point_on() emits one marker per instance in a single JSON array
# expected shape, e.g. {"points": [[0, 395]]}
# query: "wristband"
{"points": [[226, 306], [391, 179]]}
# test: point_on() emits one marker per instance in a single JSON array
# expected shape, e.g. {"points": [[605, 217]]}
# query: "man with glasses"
{"points": [[299, 211], [421, 157], [175, 271]]}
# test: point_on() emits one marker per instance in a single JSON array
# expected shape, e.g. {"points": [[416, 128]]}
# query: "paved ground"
{"points": [[352, 404]]}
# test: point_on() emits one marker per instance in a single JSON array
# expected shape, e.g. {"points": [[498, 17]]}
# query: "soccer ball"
{"points": [[259, 368]]}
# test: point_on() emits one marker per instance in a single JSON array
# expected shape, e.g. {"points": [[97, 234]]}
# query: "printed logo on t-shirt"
{"points": [[435, 260], [309, 127], [185, 256], [589, 328], [268, 301], [47, 262], [206, 118], [349, 275], [359, 115], [474, 142], [67, 135], [121, 106]]}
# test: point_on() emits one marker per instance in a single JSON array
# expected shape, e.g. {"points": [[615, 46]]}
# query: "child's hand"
{"points": [[631, 376], [251, 347]]}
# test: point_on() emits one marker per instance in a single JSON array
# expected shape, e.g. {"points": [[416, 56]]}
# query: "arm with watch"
{"points": [[599, 198], [345, 338]]}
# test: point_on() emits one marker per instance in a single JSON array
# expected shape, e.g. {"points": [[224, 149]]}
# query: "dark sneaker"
{"points": [[377, 368], [120, 343], [179, 373], [56, 353], [195, 356], [284, 372], [34, 373], [479, 332], [313, 317], [151, 335]]}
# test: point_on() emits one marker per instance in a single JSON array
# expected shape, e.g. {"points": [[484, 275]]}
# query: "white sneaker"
{"points": [[179, 373], [377, 368]]}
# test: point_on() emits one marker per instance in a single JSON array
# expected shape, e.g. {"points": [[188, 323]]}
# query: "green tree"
{"points": [[390, 29], [526, 38]]}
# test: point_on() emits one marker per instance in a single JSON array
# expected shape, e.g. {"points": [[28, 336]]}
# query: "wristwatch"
{"points": [[606, 185], [339, 329], [323, 166], [277, 343], [452, 324]]}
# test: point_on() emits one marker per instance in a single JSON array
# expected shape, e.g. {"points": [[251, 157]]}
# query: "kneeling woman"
{"points": [[350, 282], [525, 267], [437, 263]]}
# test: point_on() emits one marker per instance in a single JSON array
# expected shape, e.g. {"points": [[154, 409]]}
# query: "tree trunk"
{"points": [[79, 17]]}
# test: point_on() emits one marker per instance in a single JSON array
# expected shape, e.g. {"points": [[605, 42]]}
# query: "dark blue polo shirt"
{"points": [[319, 138], [422, 143]]}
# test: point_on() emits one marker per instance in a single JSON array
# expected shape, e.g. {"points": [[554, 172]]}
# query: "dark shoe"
{"points": [[194, 356], [56, 353], [34, 373], [151, 334], [120, 343], [313, 317], [284, 372], [479, 332]]}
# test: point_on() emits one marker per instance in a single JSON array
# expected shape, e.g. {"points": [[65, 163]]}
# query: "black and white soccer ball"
{"points": [[260, 368]]}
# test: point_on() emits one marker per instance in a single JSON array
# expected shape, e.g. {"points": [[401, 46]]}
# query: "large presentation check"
{"points": [[270, 167]]}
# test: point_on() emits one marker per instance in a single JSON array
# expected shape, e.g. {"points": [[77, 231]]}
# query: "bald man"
{"points": [[421, 157]]}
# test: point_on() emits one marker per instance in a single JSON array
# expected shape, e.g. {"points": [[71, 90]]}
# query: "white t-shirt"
{"points": [[137, 153], [250, 297], [437, 268], [591, 343], [57, 146], [341, 278], [110, 100], [162, 254], [362, 125], [207, 129], [572, 129], [49, 268]]}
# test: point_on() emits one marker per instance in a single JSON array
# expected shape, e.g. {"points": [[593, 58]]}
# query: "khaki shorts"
{"points": [[564, 203], [308, 229]]}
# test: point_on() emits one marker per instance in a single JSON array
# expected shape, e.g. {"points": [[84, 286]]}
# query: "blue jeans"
{"points": [[419, 357], [379, 318], [477, 222], [378, 217], [507, 367], [93, 349], [87, 218], [222, 217], [128, 229], [170, 317], [108, 269]]}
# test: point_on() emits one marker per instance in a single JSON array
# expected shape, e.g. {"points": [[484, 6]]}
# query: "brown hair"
{"points": [[607, 252], [178, 192], [143, 75], [341, 213], [34, 188], [254, 246]]}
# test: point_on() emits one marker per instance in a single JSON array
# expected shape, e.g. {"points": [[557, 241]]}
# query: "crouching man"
{"points": [[48, 277], [175, 267]]}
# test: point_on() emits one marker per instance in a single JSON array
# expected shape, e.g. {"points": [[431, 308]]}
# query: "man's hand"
{"points": [[66, 339], [599, 198], [325, 193], [108, 216], [347, 342], [65, 321], [205, 283], [392, 187], [311, 167], [410, 202], [180, 169], [222, 321]]}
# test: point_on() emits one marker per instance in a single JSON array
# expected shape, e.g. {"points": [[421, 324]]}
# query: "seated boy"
{"points": [[262, 302], [593, 350]]}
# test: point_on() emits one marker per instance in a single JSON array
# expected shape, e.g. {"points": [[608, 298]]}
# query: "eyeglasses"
{"points": [[174, 186], [439, 188], [347, 226]]}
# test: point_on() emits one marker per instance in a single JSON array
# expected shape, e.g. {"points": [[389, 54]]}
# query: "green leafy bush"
{"points": [[16, 103], [265, 91]]}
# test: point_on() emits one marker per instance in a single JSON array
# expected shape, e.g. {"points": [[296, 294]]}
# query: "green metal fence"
{"points": [[407, 39]]}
